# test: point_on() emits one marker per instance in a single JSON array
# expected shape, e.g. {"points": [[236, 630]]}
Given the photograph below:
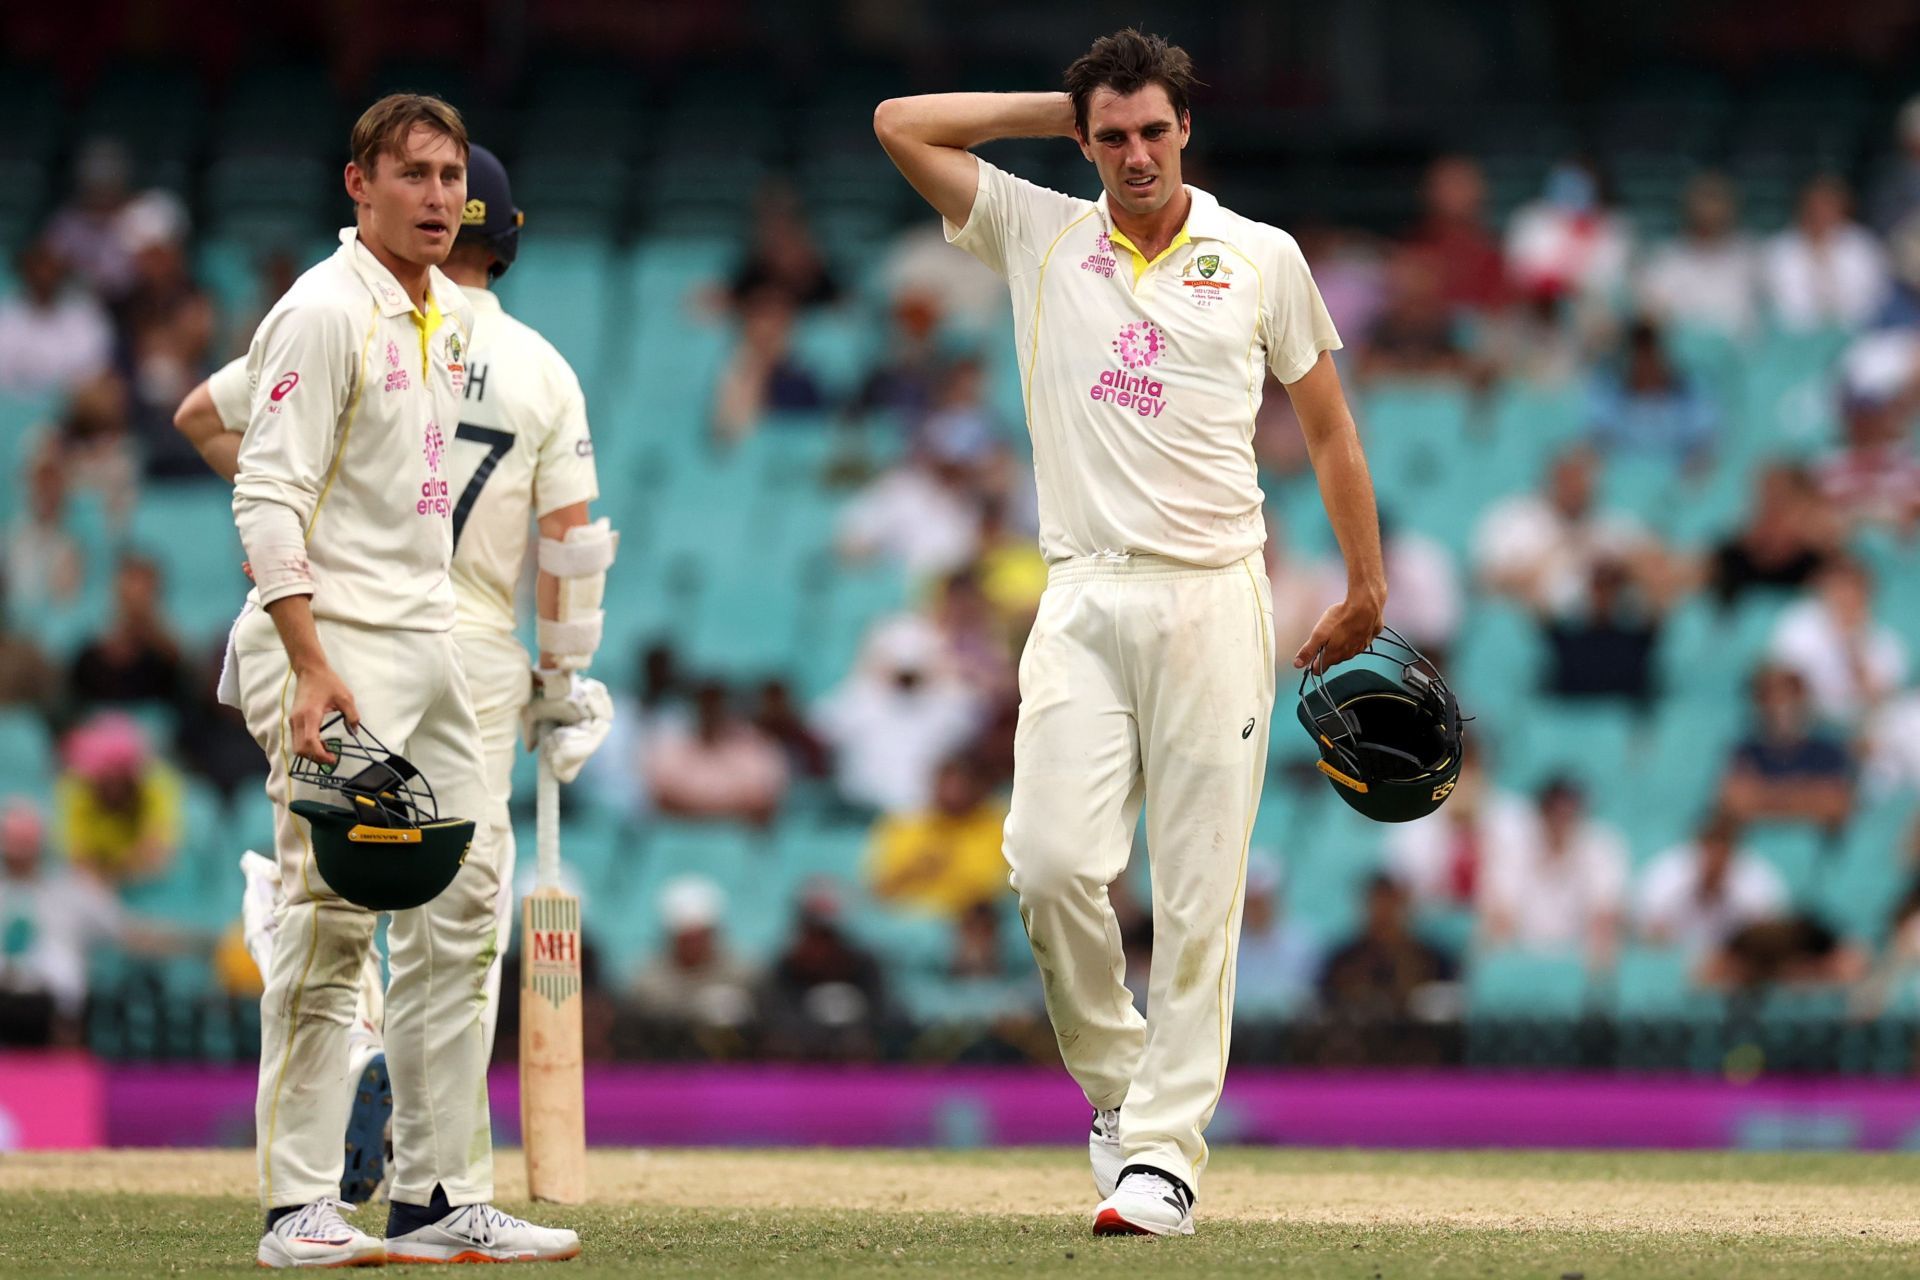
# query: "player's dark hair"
{"points": [[384, 127], [1126, 62]]}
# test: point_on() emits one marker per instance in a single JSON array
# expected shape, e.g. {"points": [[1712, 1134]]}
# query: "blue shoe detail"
{"points": [[367, 1133]]}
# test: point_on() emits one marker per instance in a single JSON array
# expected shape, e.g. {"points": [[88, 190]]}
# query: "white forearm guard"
{"points": [[581, 563]]}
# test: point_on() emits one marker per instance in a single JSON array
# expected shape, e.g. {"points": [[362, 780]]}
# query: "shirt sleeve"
{"points": [[306, 361], [232, 389], [1014, 222], [564, 472], [1298, 324]]}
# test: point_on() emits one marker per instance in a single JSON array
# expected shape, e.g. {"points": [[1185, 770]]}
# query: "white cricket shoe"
{"points": [[1147, 1203], [481, 1233], [1103, 1151], [315, 1235]]}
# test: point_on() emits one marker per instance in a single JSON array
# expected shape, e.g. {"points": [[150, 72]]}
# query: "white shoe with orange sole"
{"points": [[481, 1233], [315, 1235], [1146, 1203]]}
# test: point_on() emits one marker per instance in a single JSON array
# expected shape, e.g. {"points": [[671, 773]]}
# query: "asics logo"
{"points": [[1248, 731], [288, 381]]}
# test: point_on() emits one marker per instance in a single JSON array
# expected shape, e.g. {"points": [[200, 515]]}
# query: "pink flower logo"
{"points": [[435, 446], [1139, 344], [393, 355], [1103, 243]]}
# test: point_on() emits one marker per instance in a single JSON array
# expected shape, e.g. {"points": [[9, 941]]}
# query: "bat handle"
{"points": [[546, 811]]}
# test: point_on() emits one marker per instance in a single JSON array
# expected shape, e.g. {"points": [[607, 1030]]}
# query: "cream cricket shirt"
{"points": [[1142, 379], [521, 450]]}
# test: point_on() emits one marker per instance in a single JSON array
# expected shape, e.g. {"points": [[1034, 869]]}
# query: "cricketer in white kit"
{"points": [[1145, 322], [345, 510], [522, 453]]}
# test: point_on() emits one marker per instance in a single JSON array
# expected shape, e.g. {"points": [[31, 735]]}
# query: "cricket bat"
{"points": [[553, 1116]]}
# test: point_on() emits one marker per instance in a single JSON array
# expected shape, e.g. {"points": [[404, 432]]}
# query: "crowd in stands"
{"points": [[108, 326]]}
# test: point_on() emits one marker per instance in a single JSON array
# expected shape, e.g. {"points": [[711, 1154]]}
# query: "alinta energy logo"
{"points": [[433, 491], [1101, 261], [1138, 346], [397, 379]]}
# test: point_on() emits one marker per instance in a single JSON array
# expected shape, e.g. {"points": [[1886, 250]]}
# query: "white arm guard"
{"points": [[581, 563]]}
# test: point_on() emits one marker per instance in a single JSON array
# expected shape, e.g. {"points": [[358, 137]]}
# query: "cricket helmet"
{"points": [[490, 215], [386, 847], [1389, 740]]}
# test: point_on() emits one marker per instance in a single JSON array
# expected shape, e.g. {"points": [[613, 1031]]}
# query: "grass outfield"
{"points": [[1354, 1215]]}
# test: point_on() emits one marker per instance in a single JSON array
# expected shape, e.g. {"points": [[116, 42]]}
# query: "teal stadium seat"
{"points": [[27, 760], [1526, 984]]}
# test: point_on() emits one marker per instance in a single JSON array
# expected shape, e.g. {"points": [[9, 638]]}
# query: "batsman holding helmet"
{"points": [[348, 507], [1145, 322]]}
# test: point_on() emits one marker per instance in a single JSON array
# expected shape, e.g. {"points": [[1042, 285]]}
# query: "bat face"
{"points": [[552, 1101]]}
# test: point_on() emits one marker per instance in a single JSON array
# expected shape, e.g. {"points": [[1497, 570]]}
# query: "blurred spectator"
{"points": [[721, 766], [212, 738], [94, 447], [924, 273], [137, 658], [1426, 606], [979, 952], [119, 808], [277, 271], [1698, 895], [895, 717], [1825, 271], [1786, 770], [166, 323], [1561, 884], [27, 678], [51, 337], [1606, 649], [1794, 950], [1708, 277], [779, 717], [948, 857], [1279, 960], [654, 701], [1893, 210], [762, 376], [1649, 406], [1789, 535], [1349, 269], [1379, 974], [1453, 235], [1851, 662], [1568, 244], [1874, 477], [907, 378], [45, 566], [694, 981], [1011, 571], [1542, 341], [1542, 548], [96, 229], [1413, 336], [960, 424], [51, 920], [784, 259], [826, 996], [974, 642], [1442, 858], [922, 514]]}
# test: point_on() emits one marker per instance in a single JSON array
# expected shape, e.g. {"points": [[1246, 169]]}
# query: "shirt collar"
{"points": [[1204, 220], [385, 289]]}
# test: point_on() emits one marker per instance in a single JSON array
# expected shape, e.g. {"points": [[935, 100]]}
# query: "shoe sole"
{"points": [[475, 1255], [369, 1260], [1108, 1222], [366, 1164]]}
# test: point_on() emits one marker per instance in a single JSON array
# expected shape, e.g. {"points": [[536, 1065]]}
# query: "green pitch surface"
{"points": [[1353, 1215]]}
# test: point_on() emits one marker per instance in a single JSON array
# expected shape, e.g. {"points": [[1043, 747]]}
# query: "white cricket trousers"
{"points": [[1144, 680], [411, 692], [501, 678]]}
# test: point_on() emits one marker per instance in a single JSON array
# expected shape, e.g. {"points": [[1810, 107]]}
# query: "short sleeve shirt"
{"points": [[1141, 387]]}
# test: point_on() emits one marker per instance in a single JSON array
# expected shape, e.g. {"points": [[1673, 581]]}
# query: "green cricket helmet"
{"points": [[386, 847], [1390, 741]]}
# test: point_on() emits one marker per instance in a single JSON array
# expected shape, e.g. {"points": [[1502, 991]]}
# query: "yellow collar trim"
{"points": [[428, 325], [1140, 263]]}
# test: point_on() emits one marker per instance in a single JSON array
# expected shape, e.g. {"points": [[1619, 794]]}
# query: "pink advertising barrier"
{"points": [[51, 1102]]}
